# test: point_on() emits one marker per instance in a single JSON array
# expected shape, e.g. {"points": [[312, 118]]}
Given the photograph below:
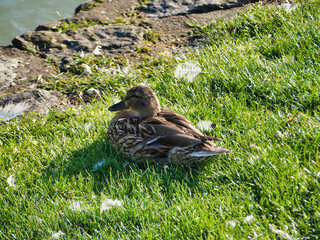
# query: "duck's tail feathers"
{"points": [[209, 153], [195, 155]]}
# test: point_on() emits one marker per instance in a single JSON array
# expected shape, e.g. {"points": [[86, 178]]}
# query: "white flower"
{"points": [[254, 146], [188, 70], [280, 233], [231, 224], [248, 219], [87, 127], [289, 7], [87, 69], [205, 125], [93, 91], [126, 70], [97, 51], [109, 203], [99, 164], [40, 79], [166, 53], [75, 205], [57, 235], [279, 134], [12, 110], [307, 170], [11, 181], [106, 71], [81, 54]]}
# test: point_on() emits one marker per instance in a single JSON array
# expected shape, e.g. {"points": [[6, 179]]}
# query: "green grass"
{"points": [[259, 70], [67, 26]]}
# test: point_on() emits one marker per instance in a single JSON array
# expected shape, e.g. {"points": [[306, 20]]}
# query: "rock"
{"points": [[7, 71], [114, 40], [17, 68], [30, 101], [40, 40], [86, 6], [53, 26], [20, 43], [105, 11], [168, 8]]}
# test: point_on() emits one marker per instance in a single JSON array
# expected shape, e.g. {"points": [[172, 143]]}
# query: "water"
{"points": [[19, 16]]}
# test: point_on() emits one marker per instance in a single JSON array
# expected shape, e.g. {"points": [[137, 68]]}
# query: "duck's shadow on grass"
{"points": [[103, 164]]}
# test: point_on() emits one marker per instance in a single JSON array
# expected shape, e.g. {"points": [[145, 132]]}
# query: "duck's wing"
{"points": [[185, 125], [166, 133]]}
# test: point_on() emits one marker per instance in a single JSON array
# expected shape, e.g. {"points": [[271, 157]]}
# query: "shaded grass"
{"points": [[266, 188]]}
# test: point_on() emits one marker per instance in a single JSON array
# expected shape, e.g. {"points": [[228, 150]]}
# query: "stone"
{"points": [[7, 71], [20, 43], [17, 67], [86, 6], [114, 40], [32, 101], [53, 26], [169, 8], [105, 11]]}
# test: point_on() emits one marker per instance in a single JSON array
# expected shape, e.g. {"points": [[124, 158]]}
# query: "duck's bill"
{"points": [[118, 106]]}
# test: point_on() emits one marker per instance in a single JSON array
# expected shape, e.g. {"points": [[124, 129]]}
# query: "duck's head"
{"points": [[141, 102]]}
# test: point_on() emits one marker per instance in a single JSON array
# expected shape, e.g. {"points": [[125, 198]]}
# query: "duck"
{"points": [[144, 132]]}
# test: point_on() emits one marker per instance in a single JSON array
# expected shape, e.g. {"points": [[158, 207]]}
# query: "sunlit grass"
{"points": [[58, 172]]}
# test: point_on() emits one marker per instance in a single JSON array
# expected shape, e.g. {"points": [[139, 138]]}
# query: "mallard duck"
{"points": [[143, 131]]}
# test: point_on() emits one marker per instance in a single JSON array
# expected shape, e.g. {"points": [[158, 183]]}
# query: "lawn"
{"points": [[256, 79]]}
